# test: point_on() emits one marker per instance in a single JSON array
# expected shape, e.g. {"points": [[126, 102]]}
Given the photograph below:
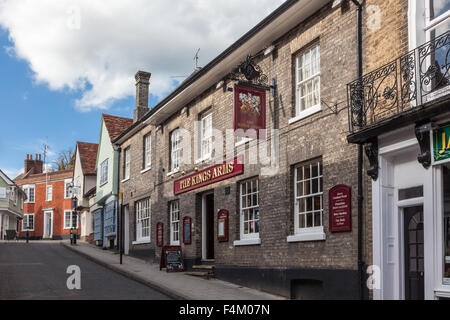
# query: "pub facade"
{"points": [[246, 165]]}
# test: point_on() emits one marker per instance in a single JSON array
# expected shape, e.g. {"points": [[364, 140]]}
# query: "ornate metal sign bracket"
{"points": [[371, 148], [249, 73], [423, 136]]}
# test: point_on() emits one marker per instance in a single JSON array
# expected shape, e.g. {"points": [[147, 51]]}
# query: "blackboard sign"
{"points": [[187, 222], [172, 259]]}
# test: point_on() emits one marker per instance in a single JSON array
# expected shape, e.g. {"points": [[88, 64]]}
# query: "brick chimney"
{"points": [[36, 165], [142, 85]]}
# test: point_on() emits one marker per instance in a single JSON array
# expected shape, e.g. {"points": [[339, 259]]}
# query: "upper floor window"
{"points": [[104, 172], [29, 191], [67, 189], [28, 222], [206, 136], [307, 79], [437, 18], [175, 150], [148, 151], [49, 193], [127, 164]]}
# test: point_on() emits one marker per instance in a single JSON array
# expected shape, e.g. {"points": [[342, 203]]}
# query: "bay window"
{"points": [[175, 223], [143, 220]]}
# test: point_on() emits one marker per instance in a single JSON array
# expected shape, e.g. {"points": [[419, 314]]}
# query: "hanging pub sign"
{"points": [[172, 259], [209, 176], [249, 110], [187, 230], [222, 225], [160, 234], [340, 208], [441, 144]]}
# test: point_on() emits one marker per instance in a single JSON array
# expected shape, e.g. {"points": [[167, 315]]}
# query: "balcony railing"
{"points": [[411, 80]]}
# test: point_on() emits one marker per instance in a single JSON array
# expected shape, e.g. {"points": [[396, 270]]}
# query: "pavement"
{"points": [[38, 271], [175, 285]]}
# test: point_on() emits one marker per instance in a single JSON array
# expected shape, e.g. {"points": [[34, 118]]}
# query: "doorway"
{"points": [[208, 226], [48, 225], [414, 253]]}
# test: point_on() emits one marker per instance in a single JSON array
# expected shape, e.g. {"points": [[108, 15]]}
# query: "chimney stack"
{"points": [[36, 166], [142, 86]]}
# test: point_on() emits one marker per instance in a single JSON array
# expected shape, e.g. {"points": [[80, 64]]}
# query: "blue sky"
{"points": [[64, 63], [31, 113]]}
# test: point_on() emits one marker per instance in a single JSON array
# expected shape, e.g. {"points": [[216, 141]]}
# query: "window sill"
{"points": [[247, 242], [146, 170], [313, 236], [306, 113], [124, 180], [142, 242], [173, 172]]}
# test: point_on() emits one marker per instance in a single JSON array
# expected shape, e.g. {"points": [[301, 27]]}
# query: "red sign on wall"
{"points": [[222, 225], [340, 208], [160, 234], [208, 176], [249, 110]]}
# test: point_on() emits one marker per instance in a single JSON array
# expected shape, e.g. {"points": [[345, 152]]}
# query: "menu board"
{"points": [[340, 208], [172, 259], [222, 225], [187, 230]]}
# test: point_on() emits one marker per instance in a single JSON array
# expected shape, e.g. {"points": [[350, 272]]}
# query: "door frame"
{"points": [[204, 195], [126, 226], [45, 225]]}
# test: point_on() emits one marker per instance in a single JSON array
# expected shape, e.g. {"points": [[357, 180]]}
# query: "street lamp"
{"points": [[74, 191]]}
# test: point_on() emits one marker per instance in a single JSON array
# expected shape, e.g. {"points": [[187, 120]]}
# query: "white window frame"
{"points": [[26, 218], [143, 209], [307, 111], [71, 213], [175, 151], [27, 189], [49, 195], [174, 223], [104, 172], [67, 192], [148, 151], [127, 164], [314, 233], [252, 238], [206, 136]]}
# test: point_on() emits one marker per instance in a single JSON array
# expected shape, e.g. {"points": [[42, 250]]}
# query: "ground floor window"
{"points": [[28, 222], [249, 195], [70, 219], [175, 223], [308, 197], [143, 219], [446, 197]]}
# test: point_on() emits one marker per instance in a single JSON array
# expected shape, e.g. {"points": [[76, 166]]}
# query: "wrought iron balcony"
{"points": [[412, 80]]}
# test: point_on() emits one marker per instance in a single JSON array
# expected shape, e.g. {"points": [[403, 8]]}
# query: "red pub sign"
{"points": [[249, 110], [209, 176], [340, 208]]}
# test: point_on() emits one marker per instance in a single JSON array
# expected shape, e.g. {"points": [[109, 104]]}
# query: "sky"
{"points": [[64, 63]]}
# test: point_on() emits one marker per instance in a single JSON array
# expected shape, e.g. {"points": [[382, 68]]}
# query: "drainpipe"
{"points": [[118, 149], [359, 7]]}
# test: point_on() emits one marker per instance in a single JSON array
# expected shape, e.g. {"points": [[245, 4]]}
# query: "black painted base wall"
{"points": [[295, 283]]}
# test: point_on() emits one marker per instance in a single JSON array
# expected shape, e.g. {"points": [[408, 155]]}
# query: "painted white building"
{"points": [[11, 207]]}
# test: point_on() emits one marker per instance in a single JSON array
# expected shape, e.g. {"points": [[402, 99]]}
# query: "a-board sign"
{"points": [[172, 259], [187, 230]]}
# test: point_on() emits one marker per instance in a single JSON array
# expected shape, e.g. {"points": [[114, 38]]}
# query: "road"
{"points": [[37, 271]]}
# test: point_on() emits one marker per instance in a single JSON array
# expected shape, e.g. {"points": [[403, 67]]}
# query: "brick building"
{"points": [[48, 209], [266, 223], [400, 112]]}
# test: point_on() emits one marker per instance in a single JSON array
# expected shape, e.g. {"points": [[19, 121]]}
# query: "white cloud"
{"points": [[12, 173], [97, 46]]}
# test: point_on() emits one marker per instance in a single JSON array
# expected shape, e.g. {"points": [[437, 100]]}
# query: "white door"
{"points": [[48, 224], [127, 230]]}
